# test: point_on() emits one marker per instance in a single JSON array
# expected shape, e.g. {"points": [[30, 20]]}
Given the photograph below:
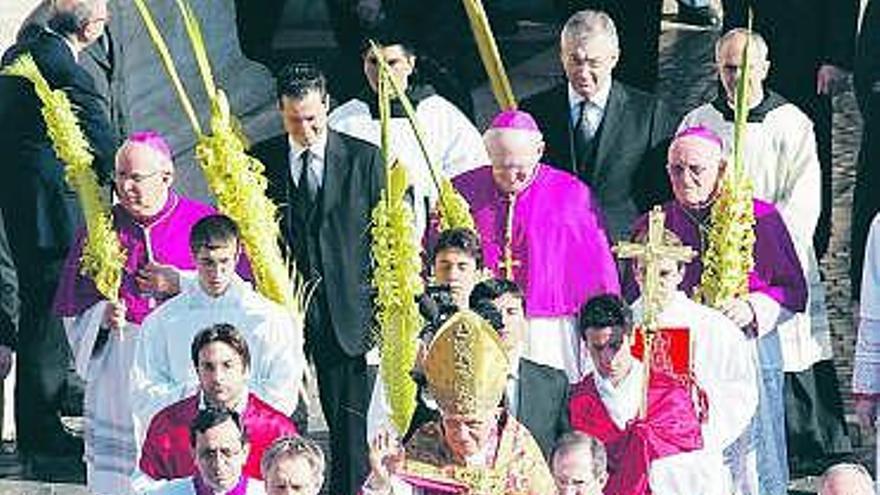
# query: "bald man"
{"points": [[579, 465]]}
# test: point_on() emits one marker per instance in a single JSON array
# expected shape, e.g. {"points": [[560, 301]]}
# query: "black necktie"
{"points": [[307, 185], [583, 141]]}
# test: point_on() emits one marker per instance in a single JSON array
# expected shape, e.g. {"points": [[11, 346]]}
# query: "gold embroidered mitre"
{"points": [[466, 366]]}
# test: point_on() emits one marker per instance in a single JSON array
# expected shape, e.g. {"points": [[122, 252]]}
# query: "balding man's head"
{"points": [[728, 59], [144, 173], [695, 165], [579, 465], [846, 479], [81, 21], [515, 146]]}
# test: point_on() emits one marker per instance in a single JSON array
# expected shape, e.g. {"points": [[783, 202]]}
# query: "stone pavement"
{"points": [[686, 79]]}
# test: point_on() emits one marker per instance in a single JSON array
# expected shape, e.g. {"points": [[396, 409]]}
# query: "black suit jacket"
{"points": [[103, 60], [629, 175], [867, 67], [354, 176], [543, 403], [32, 187]]}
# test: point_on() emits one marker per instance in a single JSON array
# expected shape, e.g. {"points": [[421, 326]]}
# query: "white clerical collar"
{"points": [[600, 100], [622, 401], [239, 408]]}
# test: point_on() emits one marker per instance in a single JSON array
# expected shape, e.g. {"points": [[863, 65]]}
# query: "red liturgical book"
{"points": [[672, 350]]}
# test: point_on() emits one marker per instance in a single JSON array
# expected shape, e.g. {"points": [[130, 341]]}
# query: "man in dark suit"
{"points": [[537, 395], [102, 59], [33, 202], [327, 184], [812, 44], [612, 136]]}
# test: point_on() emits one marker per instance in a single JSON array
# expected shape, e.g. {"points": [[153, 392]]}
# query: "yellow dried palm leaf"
{"points": [[103, 257]]}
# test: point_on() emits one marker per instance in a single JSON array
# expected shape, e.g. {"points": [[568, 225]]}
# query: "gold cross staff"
{"points": [[509, 262], [649, 255]]}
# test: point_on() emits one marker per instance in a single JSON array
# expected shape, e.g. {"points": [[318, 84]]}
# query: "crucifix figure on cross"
{"points": [[648, 255]]}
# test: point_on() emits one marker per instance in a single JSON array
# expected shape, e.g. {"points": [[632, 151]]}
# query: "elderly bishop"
{"points": [[776, 287], [542, 228], [152, 223]]}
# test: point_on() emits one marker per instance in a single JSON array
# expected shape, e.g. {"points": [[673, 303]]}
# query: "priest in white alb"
{"points": [[163, 372], [723, 363], [780, 157], [454, 144]]}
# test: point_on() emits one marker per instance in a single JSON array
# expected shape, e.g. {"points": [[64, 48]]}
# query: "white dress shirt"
{"points": [[316, 163]]}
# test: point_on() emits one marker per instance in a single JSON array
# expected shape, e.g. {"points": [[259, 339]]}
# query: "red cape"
{"points": [[671, 427], [166, 453]]}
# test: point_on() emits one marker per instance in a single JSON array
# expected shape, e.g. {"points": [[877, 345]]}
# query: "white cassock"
{"points": [[163, 371], [109, 421], [866, 370], [724, 363], [185, 486], [780, 156], [453, 142]]}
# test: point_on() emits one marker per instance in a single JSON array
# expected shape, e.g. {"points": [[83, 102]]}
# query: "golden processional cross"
{"points": [[509, 263], [649, 254]]}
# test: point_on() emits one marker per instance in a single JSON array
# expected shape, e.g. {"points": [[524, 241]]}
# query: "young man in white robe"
{"points": [[781, 158], [162, 371], [220, 449], [722, 366], [454, 144]]}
